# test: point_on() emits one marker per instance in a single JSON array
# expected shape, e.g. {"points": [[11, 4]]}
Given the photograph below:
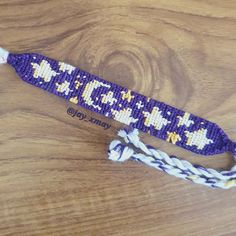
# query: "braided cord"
{"points": [[150, 156]]}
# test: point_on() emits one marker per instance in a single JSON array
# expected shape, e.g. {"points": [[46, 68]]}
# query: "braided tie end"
{"points": [[3, 56], [129, 136], [119, 152]]}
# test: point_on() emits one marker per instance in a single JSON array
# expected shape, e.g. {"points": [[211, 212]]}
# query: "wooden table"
{"points": [[55, 178]]}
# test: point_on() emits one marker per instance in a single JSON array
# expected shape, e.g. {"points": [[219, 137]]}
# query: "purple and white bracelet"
{"points": [[136, 111]]}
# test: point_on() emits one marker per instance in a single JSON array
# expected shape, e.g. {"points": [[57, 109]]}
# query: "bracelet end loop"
{"points": [[3, 56]]}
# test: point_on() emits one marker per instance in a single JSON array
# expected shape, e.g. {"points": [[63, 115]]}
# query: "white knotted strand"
{"points": [[132, 137], [122, 153], [3, 56], [119, 152], [171, 165]]}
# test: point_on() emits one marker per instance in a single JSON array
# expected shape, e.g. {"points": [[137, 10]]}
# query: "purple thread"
{"points": [[219, 142]]}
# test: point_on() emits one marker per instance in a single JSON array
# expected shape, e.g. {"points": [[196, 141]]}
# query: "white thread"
{"points": [[116, 154], [3, 56], [171, 165]]}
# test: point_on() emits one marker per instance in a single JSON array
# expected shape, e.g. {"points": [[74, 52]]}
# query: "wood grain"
{"points": [[55, 178]]}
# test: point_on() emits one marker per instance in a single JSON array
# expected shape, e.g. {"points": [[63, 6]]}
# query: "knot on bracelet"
{"points": [[119, 152], [130, 136]]}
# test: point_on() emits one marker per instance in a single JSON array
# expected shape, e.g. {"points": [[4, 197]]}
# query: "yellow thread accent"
{"points": [[43, 70], [74, 100], [124, 116], [193, 177], [155, 118], [89, 89], [173, 137], [127, 95], [64, 87], [108, 98], [77, 84], [230, 183], [198, 138]]}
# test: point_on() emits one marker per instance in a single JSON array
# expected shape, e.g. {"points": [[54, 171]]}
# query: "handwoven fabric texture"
{"points": [[128, 107]]}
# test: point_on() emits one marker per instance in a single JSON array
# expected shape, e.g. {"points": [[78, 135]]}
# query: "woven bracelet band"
{"points": [[114, 101]]}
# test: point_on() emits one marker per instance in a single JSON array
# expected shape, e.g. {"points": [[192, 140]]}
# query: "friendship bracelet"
{"points": [[128, 107], [121, 104], [150, 156]]}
